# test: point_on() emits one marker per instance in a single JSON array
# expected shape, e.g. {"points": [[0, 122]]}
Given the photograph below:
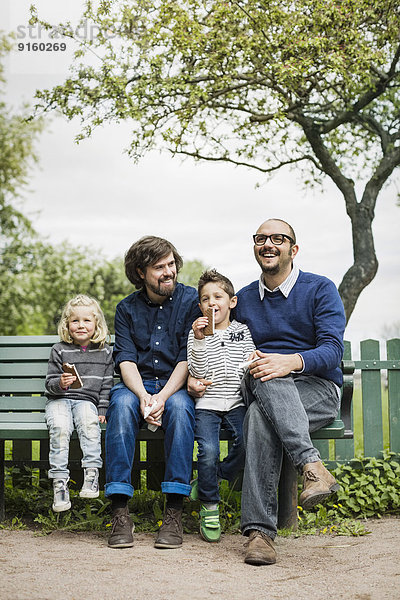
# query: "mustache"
{"points": [[274, 252]]}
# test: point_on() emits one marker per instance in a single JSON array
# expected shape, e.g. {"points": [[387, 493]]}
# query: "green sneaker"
{"points": [[194, 492], [210, 527]]}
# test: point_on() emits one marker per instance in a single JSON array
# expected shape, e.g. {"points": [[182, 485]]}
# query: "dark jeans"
{"points": [[123, 422], [208, 425]]}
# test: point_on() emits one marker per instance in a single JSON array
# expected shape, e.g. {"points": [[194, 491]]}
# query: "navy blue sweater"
{"points": [[310, 322]]}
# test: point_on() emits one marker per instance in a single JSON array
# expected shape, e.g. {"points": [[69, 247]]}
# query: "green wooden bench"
{"points": [[23, 368]]}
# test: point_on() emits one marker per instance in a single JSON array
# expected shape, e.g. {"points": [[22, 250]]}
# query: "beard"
{"points": [[274, 269], [270, 270], [161, 290]]}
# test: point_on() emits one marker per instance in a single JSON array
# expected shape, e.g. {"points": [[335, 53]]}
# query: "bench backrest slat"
{"points": [[23, 369], [22, 403], [24, 386], [28, 340], [20, 354]]}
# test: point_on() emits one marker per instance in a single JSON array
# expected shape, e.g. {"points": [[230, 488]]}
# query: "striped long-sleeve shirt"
{"points": [[218, 357], [95, 367]]}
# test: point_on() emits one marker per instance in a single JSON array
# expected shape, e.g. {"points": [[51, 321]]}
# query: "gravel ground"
{"points": [[73, 566]]}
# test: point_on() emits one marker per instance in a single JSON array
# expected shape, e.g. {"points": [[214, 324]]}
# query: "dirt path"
{"points": [[71, 566]]}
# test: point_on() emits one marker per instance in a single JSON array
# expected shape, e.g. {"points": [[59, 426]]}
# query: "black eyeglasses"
{"points": [[276, 239]]}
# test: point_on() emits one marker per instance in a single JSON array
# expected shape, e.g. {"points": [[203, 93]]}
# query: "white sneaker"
{"points": [[90, 487], [61, 495]]}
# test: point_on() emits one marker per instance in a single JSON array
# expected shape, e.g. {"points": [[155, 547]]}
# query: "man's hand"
{"points": [[271, 366], [158, 403], [196, 387], [145, 400], [156, 414]]}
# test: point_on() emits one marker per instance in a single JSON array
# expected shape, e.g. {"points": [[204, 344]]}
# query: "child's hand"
{"points": [[102, 418], [251, 359], [198, 327], [252, 356], [196, 387], [66, 380]]}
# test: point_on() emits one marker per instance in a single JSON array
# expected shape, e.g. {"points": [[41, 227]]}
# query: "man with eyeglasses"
{"points": [[297, 322]]}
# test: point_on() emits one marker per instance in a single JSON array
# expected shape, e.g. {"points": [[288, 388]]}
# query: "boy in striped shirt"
{"points": [[218, 357]]}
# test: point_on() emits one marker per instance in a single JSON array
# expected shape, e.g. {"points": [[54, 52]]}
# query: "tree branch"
{"points": [[328, 165], [389, 162], [199, 156], [375, 127], [365, 99]]}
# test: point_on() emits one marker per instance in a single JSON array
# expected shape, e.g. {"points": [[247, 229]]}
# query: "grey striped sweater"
{"points": [[217, 357], [95, 367]]}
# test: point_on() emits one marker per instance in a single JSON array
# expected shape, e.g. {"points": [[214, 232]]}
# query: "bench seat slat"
{"points": [[10, 419], [36, 431], [19, 421], [23, 431], [333, 431]]}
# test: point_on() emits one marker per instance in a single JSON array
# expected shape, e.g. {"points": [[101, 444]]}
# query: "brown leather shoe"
{"points": [[318, 484], [260, 549], [122, 529], [170, 534]]}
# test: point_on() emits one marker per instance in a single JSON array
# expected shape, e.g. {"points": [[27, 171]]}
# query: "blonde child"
{"points": [[83, 332]]}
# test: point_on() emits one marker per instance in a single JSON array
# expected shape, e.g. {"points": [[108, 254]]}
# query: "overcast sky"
{"points": [[92, 194]]}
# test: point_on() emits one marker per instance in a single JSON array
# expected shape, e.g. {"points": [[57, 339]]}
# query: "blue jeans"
{"points": [[209, 467], [124, 419], [61, 415], [281, 415]]}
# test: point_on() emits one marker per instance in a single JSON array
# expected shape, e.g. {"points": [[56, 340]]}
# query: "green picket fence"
{"points": [[376, 405]]}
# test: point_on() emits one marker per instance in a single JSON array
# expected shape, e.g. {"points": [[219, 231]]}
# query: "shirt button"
{"points": [[156, 361], [156, 377], [159, 327], [160, 307], [157, 343]]}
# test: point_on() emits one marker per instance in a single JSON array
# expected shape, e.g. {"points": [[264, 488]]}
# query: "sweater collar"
{"points": [[285, 287]]}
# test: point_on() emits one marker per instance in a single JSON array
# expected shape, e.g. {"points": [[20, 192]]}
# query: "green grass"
{"points": [[370, 488]]}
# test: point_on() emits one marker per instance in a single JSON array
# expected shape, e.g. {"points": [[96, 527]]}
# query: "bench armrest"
{"points": [[348, 368]]}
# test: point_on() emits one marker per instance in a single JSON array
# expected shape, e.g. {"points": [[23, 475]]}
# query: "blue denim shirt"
{"points": [[154, 336]]}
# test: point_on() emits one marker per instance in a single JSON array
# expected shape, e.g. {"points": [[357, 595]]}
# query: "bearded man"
{"points": [[151, 330]]}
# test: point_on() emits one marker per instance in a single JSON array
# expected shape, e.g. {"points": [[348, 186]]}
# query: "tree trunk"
{"points": [[365, 265]]}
